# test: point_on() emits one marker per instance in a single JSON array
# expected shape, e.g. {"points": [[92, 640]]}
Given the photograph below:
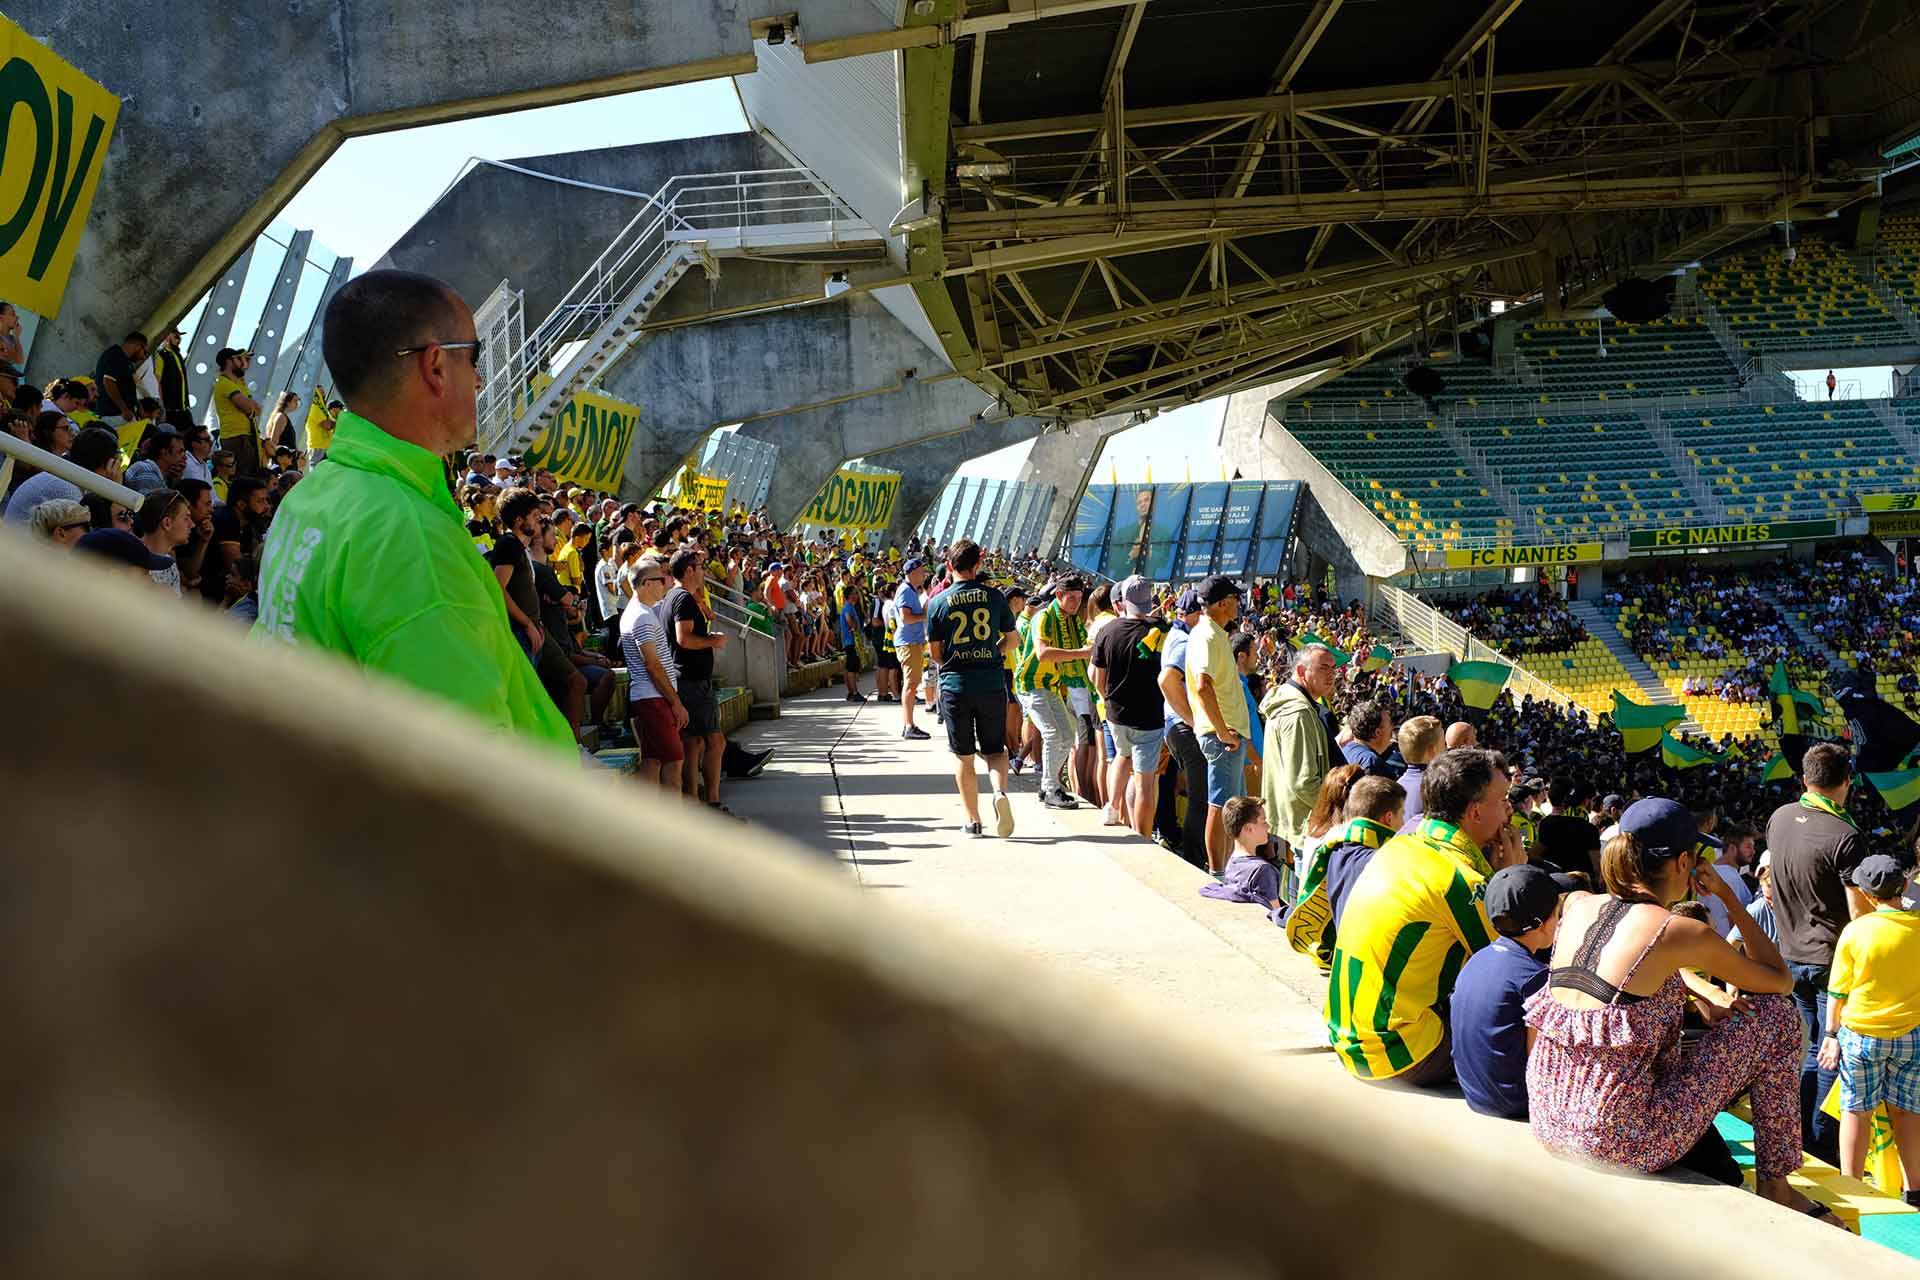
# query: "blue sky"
{"points": [[373, 188]]}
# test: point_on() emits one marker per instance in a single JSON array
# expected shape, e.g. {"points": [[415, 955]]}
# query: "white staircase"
{"points": [[1525, 528], [1704, 502], [1867, 266], [1812, 643], [1601, 626], [528, 382]]}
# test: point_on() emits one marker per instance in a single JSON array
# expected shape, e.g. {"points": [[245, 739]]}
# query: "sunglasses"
{"points": [[471, 348]]}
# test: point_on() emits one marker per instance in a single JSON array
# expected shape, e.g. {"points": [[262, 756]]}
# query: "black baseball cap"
{"points": [[1218, 588], [119, 545], [1879, 875], [1523, 897]]}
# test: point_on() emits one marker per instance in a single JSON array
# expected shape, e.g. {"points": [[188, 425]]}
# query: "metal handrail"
{"points": [[1444, 634], [757, 197]]}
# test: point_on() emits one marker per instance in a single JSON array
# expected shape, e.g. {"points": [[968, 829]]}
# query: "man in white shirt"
{"points": [[653, 699]]}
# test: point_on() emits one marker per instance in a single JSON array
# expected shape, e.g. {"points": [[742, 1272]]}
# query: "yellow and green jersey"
{"points": [[1409, 922], [1058, 630]]}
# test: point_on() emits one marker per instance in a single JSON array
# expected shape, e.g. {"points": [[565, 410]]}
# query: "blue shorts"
{"points": [[1877, 1069], [1226, 770], [1106, 737], [1142, 744]]}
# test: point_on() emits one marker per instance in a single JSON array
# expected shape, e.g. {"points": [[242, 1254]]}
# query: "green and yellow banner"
{"points": [[1479, 683], [1890, 501], [1643, 726], [1730, 535], [1340, 656], [587, 442], [1900, 788], [57, 124], [1793, 705], [1777, 770], [1377, 657], [1521, 557], [1676, 754], [855, 500]]}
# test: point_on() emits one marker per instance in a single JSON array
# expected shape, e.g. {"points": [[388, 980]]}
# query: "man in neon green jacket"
{"points": [[369, 557]]}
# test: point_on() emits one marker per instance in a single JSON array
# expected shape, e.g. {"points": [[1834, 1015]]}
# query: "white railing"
{"points": [[1427, 627], [679, 212]]}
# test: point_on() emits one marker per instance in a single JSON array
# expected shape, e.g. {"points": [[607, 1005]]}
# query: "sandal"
{"points": [[1819, 1212]]}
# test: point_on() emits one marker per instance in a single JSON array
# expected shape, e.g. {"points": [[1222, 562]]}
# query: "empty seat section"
{"points": [[1779, 462], [1583, 476], [1405, 472], [1819, 301], [1376, 390], [1611, 360]]}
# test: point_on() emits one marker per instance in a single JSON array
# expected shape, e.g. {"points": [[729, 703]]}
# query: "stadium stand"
{"points": [[1592, 360], [1818, 301], [1409, 475], [1376, 390], [1792, 461], [1583, 475], [1897, 258]]}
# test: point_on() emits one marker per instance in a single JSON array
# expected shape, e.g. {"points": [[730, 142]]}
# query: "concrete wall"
{"points": [[1065, 461], [1343, 532], [275, 88], [430, 1030], [927, 466], [497, 225]]}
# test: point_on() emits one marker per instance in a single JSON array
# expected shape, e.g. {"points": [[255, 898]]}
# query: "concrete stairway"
{"points": [[1789, 614], [1525, 528], [1703, 500], [1601, 626]]}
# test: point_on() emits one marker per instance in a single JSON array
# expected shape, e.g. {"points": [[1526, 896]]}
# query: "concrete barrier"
{"points": [[304, 975]]}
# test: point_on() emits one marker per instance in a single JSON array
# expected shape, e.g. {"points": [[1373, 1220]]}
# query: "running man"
{"points": [[970, 629]]}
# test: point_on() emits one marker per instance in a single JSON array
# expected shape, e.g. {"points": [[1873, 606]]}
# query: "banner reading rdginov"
{"points": [[587, 442], [855, 500]]}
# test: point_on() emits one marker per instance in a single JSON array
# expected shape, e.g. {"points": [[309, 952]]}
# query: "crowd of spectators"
{"points": [[1519, 620]]}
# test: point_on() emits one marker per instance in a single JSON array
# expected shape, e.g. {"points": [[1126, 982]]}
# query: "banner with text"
{"points": [[855, 500], [1522, 557], [587, 442], [1730, 535], [1896, 524], [709, 493], [1890, 501], [56, 145]]}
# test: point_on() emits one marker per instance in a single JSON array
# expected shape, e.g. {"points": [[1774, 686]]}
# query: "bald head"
{"points": [[1461, 734]]}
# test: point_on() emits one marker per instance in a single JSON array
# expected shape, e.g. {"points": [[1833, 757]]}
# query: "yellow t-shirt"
{"points": [[1210, 653], [566, 563], [320, 432], [233, 423], [1876, 967]]}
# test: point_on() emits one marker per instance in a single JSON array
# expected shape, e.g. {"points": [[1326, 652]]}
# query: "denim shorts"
{"points": [[1226, 770], [1877, 1069], [1142, 744]]}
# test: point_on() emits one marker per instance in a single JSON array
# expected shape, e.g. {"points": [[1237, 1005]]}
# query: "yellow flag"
{"points": [[317, 411], [1149, 470]]}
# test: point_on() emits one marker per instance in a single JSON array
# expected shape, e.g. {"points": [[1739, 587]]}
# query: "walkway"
{"points": [[1067, 891]]}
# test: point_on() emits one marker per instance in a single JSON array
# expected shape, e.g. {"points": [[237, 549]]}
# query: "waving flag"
{"points": [[1792, 704], [1340, 656], [1676, 754], [1900, 788], [1642, 726], [1377, 657], [1479, 683], [1778, 770]]}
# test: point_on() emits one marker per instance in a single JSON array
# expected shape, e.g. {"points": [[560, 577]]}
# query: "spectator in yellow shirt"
{"points": [[236, 410]]}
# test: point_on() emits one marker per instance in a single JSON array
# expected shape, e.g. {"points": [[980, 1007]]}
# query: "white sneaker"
{"points": [[1003, 815], [1112, 818]]}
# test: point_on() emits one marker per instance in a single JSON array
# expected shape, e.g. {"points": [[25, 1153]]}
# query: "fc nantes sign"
{"points": [[855, 500], [55, 123], [1730, 535], [587, 442], [1521, 557]]}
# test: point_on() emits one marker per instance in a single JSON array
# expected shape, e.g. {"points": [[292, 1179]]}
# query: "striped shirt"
{"points": [[1410, 921], [640, 627], [1058, 630]]}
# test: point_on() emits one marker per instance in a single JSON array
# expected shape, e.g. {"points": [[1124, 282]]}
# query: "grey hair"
{"points": [[1306, 651]]}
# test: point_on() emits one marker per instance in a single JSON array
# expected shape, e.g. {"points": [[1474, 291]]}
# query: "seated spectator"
{"points": [[1253, 872], [1371, 811], [1369, 736], [242, 596], [1762, 909], [1328, 818], [165, 523], [61, 521], [1606, 1079], [122, 552], [162, 465], [1420, 741], [1491, 1038], [95, 449], [1873, 1021], [1409, 917]]}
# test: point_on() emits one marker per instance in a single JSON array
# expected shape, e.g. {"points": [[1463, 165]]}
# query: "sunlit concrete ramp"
{"points": [[464, 1011], [272, 90]]}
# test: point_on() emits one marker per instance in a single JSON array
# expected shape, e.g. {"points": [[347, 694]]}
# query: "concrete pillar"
{"points": [[159, 230], [926, 467], [1065, 462]]}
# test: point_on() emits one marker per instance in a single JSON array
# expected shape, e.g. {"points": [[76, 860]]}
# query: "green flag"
{"points": [[1778, 770], [1900, 788], [1479, 683], [1340, 656], [1377, 657], [1642, 726], [1676, 754], [1791, 704]]}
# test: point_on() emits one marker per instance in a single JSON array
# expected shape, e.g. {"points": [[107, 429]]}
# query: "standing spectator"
{"points": [[113, 374], [1369, 737], [97, 449], [320, 433], [1297, 752], [909, 640], [235, 410], [1053, 659], [1567, 838], [1814, 849], [1873, 1015], [370, 559], [279, 431], [1736, 852], [852, 626], [1187, 837], [1832, 382], [1491, 1038], [12, 355], [969, 629], [653, 697], [1410, 919], [1420, 742], [170, 381], [694, 643], [1221, 718], [1126, 671]]}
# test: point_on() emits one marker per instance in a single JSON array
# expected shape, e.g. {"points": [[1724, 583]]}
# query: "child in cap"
{"points": [[1873, 1020], [1490, 1034]]}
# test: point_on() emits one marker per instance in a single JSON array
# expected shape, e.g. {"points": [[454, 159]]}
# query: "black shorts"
{"points": [[976, 722], [886, 659], [852, 653], [1009, 675], [703, 713]]}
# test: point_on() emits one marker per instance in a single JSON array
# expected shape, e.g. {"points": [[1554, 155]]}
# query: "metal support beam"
{"points": [[303, 371], [212, 333], [270, 333]]}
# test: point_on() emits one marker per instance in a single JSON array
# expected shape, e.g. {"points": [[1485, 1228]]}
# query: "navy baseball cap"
{"points": [[1880, 876], [1189, 602], [1522, 897], [911, 565], [1666, 827]]}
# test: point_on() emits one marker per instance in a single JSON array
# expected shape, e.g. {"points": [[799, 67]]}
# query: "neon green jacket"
{"points": [[369, 557]]}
